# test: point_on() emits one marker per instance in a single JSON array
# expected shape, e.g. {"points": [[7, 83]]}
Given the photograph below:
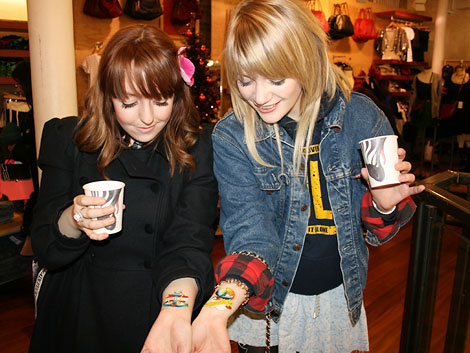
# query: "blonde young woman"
{"points": [[293, 192], [133, 291]]}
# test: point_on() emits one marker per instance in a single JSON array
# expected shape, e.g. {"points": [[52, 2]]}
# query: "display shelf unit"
{"points": [[403, 80], [399, 62], [12, 26], [403, 16]]}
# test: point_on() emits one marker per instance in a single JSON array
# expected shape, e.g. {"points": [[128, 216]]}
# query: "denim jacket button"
{"points": [[269, 192], [296, 247], [303, 208], [285, 283]]}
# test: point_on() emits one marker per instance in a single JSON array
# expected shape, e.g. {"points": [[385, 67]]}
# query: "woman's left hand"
{"points": [[171, 333], [386, 198]]}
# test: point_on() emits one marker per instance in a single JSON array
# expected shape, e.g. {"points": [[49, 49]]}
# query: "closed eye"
{"points": [[161, 104], [244, 83], [278, 82], [128, 105]]}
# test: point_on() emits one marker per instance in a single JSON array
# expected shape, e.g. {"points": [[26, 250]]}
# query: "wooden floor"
{"points": [[384, 297]]}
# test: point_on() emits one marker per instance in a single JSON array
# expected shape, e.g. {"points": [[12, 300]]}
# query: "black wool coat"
{"points": [[104, 296]]}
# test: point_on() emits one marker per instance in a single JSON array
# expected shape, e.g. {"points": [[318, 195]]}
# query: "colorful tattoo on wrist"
{"points": [[176, 300], [222, 299]]}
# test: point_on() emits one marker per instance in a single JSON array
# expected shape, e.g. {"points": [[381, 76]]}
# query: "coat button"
{"points": [[148, 228], [285, 283], [148, 263], [154, 188], [302, 166], [303, 208], [296, 247]]}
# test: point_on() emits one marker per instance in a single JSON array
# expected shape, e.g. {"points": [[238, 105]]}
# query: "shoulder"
{"points": [[229, 128], [360, 99], [228, 123], [57, 139], [362, 107], [64, 127], [203, 145], [364, 117]]}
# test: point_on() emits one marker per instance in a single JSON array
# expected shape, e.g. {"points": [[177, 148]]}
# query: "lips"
{"points": [[146, 128], [266, 108]]}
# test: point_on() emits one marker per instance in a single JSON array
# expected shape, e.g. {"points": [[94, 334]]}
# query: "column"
{"points": [[439, 38], [52, 53]]}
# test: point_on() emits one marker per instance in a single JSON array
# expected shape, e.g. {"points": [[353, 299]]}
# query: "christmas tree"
{"points": [[205, 91]]}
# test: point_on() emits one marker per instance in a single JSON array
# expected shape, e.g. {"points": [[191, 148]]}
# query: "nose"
{"points": [[147, 114], [262, 94]]}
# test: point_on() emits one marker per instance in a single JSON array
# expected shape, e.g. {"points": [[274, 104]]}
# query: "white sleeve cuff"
{"points": [[389, 212]]}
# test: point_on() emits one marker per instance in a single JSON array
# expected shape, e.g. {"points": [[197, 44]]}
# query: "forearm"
{"points": [[179, 296]]}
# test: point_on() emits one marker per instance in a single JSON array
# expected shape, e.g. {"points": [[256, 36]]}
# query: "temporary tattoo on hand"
{"points": [[222, 299], [177, 299]]}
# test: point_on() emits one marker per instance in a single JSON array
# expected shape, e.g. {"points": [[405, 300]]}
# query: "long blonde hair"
{"points": [[280, 39]]}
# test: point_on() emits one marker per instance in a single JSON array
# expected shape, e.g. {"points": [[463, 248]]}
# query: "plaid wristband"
{"points": [[253, 272]]}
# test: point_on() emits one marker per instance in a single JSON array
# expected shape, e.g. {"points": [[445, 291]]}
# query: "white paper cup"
{"points": [[113, 192], [380, 156]]}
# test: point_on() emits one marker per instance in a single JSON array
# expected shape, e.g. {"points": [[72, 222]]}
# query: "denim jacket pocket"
{"points": [[270, 179]]}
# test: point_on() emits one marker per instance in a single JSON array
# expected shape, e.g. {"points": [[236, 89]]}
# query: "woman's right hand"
{"points": [[210, 332], [82, 216]]}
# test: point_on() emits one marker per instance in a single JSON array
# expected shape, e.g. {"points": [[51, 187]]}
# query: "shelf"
{"points": [[395, 77], [14, 53], [7, 81], [14, 25], [404, 16], [400, 94], [399, 62]]}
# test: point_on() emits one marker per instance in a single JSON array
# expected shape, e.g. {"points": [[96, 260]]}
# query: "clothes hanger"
{"points": [[97, 48]]}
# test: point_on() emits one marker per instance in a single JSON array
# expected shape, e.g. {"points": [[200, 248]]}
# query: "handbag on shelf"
{"points": [[15, 180], [102, 8], [14, 170], [319, 14], [143, 9], [183, 10], [364, 26], [340, 22]]}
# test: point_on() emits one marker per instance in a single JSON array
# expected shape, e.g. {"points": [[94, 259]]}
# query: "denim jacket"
{"points": [[265, 210]]}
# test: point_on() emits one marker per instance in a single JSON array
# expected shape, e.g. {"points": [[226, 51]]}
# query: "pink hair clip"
{"points": [[186, 67]]}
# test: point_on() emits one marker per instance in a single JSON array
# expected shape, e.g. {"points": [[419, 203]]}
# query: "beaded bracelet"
{"points": [[239, 284], [252, 254]]}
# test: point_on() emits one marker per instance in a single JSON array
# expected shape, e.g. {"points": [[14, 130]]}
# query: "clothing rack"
{"points": [[460, 61]]}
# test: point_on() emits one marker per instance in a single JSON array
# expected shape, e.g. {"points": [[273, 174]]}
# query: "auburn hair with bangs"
{"points": [[147, 60]]}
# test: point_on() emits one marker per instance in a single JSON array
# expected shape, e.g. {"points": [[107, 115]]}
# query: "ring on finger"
{"points": [[77, 216]]}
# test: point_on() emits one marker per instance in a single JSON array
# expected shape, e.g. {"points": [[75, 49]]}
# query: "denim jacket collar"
{"points": [[331, 110]]}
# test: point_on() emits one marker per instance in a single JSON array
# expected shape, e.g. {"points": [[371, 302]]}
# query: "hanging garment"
{"points": [[90, 65]]}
